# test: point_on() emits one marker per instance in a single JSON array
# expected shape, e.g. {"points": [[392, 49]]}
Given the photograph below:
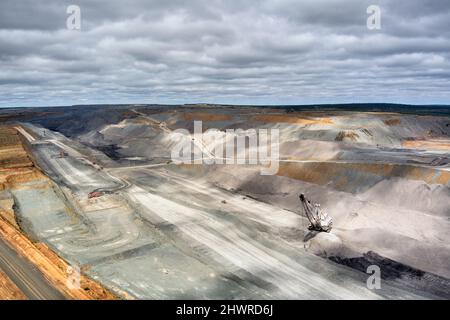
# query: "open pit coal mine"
{"points": [[98, 186]]}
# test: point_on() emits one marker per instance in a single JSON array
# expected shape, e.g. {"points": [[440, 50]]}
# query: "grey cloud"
{"points": [[271, 51]]}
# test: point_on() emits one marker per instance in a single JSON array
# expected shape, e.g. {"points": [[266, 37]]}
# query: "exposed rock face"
{"points": [[384, 177]]}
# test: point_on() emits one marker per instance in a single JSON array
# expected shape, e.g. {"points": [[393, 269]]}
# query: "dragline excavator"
{"points": [[320, 221]]}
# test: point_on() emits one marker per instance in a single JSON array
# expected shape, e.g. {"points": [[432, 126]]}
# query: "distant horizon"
{"points": [[233, 105], [259, 102]]}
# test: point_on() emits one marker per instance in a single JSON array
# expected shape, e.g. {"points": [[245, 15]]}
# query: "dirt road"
{"points": [[25, 276]]}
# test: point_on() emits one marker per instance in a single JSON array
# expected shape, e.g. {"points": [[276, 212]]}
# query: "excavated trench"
{"points": [[390, 208]]}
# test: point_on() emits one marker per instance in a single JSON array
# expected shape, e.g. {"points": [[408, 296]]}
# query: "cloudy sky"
{"points": [[248, 52]]}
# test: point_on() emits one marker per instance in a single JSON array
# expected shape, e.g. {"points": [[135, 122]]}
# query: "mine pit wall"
{"points": [[356, 178], [417, 189], [20, 172], [29, 150], [63, 192], [362, 221], [41, 255], [347, 177]]}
